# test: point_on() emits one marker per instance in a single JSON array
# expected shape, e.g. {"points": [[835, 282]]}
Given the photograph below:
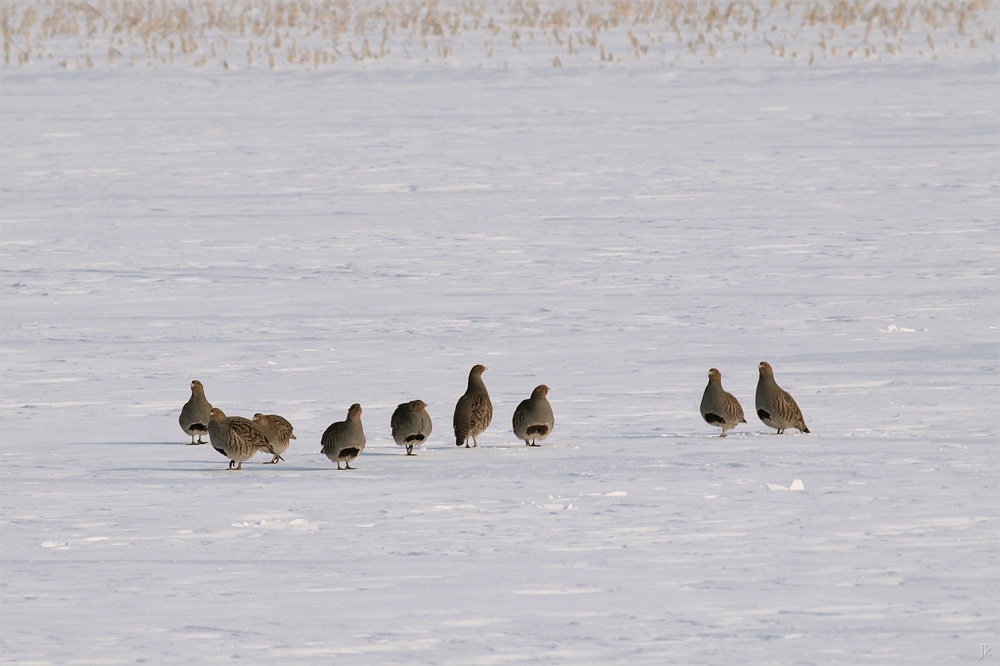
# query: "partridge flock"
{"points": [[238, 438], [775, 407]]}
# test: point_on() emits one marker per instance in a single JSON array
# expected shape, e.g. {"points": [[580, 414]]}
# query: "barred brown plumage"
{"points": [[775, 407], [278, 432], [719, 407], [235, 437], [474, 410]]}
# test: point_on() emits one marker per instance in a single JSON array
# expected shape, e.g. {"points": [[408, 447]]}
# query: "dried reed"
{"points": [[308, 34]]}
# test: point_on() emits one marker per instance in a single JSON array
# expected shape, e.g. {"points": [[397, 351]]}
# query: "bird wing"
{"points": [[282, 428], [518, 419], [397, 418], [734, 410], [463, 413], [482, 410]]}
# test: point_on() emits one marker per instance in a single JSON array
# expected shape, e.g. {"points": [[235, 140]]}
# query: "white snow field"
{"points": [[303, 240]]}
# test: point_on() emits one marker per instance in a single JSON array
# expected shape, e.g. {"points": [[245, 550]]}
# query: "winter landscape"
{"points": [[605, 198]]}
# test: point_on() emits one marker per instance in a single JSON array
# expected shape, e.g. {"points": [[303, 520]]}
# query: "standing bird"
{"points": [[474, 410], [235, 437], [278, 432], [345, 440], [533, 418], [718, 407], [775, 407], [411, 425], [194, 413]]}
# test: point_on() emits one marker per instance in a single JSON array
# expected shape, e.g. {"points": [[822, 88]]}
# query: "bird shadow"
{"points": [[137, 444], [388, 454]]}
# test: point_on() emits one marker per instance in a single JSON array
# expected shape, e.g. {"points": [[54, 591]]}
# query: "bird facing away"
{"points": [[533, 419], [344, 441], [278, 432], [718, 407], [194, 413], [411, 425], [775, 407], [235, 437], [474, 410]]}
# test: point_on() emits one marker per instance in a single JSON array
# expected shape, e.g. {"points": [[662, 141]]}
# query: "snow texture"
{"points": [[300, 241]]}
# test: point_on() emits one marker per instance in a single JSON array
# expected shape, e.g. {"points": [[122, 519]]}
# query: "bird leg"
{"points": [[347, 465], [338, 464], [409, 450]]}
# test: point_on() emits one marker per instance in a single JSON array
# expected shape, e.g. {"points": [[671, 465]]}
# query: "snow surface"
{"points": [[301, 241]]}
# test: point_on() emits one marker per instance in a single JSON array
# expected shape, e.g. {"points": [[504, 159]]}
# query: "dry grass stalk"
{"points": [[312, 34]]}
